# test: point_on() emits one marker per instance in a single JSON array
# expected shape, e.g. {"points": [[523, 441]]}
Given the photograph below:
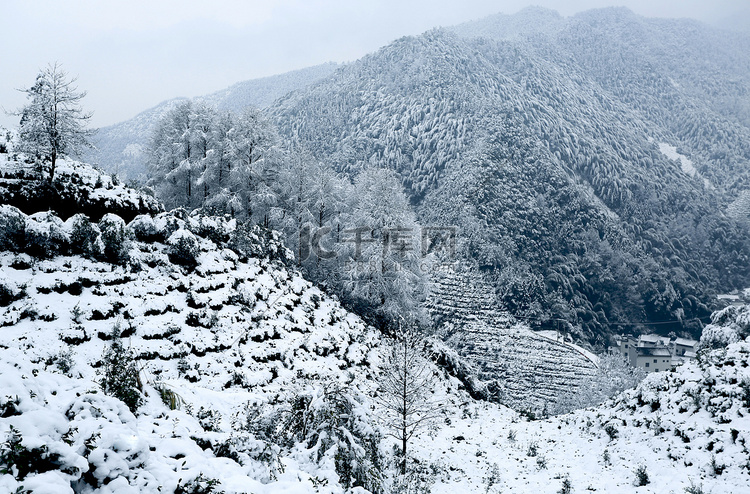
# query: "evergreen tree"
{"points": [[381, 250], [120, 377]]}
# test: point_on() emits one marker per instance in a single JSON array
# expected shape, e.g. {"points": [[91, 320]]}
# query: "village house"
{"points": [[654, 353]]}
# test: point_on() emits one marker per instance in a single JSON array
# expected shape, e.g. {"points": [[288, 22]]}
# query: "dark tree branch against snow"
{"points": [[406, 393], [53, 123]]}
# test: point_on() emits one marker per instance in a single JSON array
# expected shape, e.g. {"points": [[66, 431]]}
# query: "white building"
{"points": [[654, 353]]}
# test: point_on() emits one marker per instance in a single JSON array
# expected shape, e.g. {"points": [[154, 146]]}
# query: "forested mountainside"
{"points": [[587, 161], [121, 148]]}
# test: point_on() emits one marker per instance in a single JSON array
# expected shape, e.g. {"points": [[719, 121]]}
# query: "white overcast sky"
{"points": [[131, 55]]}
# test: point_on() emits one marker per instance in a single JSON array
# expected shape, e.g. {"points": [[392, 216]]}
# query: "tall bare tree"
{"points": [[53, 123], [407, 390]]}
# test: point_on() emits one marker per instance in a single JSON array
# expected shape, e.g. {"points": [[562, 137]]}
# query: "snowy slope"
{"points": [[76, 188], [523, 369], [231, 335], [223, 336]]}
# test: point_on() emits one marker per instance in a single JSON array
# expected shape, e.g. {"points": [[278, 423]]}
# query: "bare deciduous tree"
{"points": [[406, 393], [53, 124]]}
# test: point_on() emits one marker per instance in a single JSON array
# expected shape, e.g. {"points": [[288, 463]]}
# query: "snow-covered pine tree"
{"points": [[380, 249]]}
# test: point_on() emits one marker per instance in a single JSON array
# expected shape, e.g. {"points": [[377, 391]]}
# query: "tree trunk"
{"points": [[52, 166], [403, 453]]}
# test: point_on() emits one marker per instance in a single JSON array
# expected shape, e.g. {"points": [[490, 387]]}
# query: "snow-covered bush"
{"points": [[255, 241], [328, 422], [641, 476], [46, 235], [120, 377], [85, 237], [168, 223], [144, 228], [20, 460], [114, 238], [9, 293], [729, 325], [183, 248], [12, 228], [215, 228], [199, 485]]}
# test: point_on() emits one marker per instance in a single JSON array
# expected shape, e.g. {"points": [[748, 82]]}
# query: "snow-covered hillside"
{"points": [[518, 367], [222, 338], [76, 188], [250, 379], [231, 339]]}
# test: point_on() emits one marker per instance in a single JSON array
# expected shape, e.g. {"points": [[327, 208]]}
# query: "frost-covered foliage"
{"points": [[114, 238], [613, 375], [729, 325]]}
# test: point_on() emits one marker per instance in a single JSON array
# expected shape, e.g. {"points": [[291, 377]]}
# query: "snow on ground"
{"points": [[229, 335], [686, 165], [560, 338]]}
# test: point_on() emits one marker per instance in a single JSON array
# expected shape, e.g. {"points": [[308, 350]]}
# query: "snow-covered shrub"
{"points": [[567, 486], [9, 293], [168, 223], [328, 422], [641, 476], [255, 241], [183, 248], [114, 238], [120, 376], [46, 235], [21, 460], [84, 236], [611, 431], [63, 361], [418, 479], [144, 228], [214, 228], [729, 325], [12, 228], [199, 485]]}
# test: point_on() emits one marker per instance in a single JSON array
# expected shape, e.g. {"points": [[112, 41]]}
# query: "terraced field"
{"points": [[526, 370]]}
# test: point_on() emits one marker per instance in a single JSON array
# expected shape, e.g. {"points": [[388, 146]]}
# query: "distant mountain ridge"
{"points": [[120, 148]]}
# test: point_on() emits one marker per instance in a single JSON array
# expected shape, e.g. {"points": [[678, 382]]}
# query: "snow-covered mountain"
{"points": [[121, 148], [550, 143]]}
